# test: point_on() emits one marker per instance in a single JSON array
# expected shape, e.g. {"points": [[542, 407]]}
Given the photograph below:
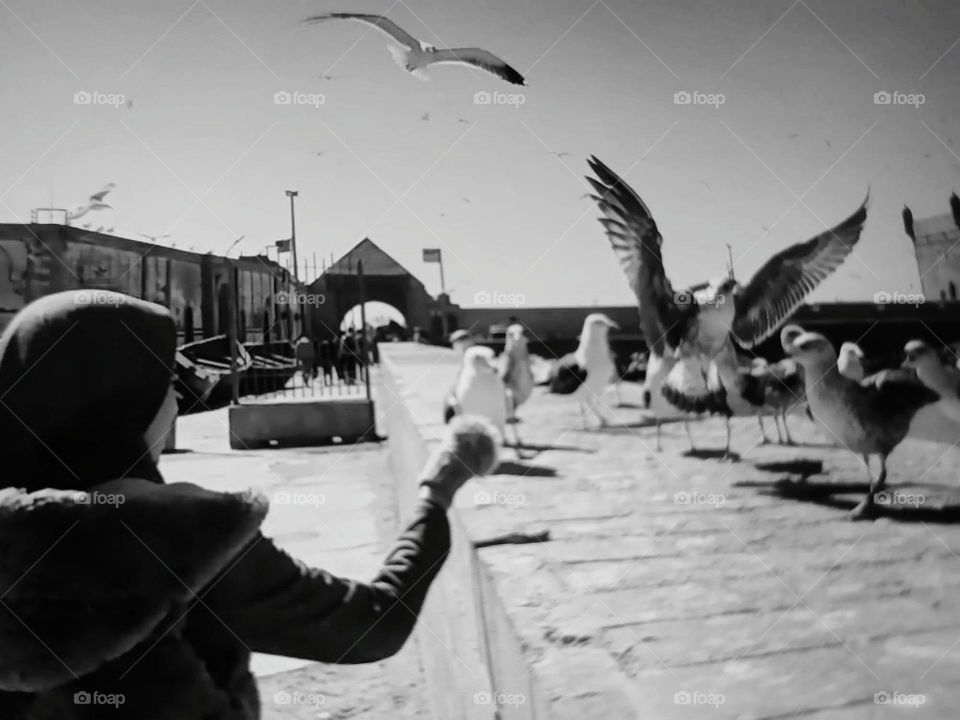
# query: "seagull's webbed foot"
{"points": [[866, 510]]}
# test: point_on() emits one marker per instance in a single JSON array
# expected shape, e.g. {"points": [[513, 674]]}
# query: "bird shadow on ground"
{"points": [[536, 448], [712, 454], [847, 495], [798, 466], [510, 467]]}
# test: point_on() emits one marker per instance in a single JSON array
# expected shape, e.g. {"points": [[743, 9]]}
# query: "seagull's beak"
{"points": [[611, 324]]}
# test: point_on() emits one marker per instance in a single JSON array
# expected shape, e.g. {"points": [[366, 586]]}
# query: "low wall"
{"points": [[472, 656]]}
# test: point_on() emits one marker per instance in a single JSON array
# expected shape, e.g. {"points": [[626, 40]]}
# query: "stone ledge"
{"points": [[641, 602]]}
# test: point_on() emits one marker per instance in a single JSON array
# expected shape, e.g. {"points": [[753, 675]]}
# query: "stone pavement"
{"points": [[677, 586], [334, 508]]}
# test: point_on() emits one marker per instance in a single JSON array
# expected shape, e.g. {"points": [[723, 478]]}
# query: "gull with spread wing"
{"points": [[691, 335], [416, 56]]}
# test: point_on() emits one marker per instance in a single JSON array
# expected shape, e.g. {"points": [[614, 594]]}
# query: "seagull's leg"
{"points": [[658, 435], [518, 443], [583, 416], [727, 455], [763, 430], [866, 507], [776, 422], [616, 389], [686, 426], [787, 430]]}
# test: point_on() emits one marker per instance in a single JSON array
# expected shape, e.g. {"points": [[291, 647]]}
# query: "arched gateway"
{"points": [[337, 290]]}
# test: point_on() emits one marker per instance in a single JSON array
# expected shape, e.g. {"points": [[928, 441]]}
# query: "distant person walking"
{"points": [[327, 359], [306, 358], [348, 357]]}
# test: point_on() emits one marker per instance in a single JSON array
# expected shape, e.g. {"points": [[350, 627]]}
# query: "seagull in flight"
{"points": [[154, 238], [417, 55], [94, 203], [691, 334]]}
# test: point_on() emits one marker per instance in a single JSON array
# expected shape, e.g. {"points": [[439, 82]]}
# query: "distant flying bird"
{"points": [[154, 238], [234, 244], [425, 117], [86, 226], [870, 417], [942, 378], [465, 122], [690, 331], [479, 389], [94, 203], [110, 229], [559, 154], [515, 370], [418, 55], [850, 361], [586, 372]]}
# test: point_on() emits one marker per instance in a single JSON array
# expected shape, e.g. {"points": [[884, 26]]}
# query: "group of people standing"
{"points": [[345, 355]]}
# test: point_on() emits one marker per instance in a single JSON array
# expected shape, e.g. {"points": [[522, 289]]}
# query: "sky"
{"points": [[784, 142]]}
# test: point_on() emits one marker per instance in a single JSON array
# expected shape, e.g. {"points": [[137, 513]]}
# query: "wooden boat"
{"points": [[204, 371]]}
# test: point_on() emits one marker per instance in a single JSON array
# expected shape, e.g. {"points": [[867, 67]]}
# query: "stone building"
{"points": [[936, 241]]}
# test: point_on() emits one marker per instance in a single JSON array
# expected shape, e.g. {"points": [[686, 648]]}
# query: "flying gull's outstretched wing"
{"points": [[781, 285], [478, 57], [388, 27], [636, 242]]}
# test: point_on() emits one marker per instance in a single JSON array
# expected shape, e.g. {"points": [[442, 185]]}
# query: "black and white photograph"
{"points": [[479, 360]]}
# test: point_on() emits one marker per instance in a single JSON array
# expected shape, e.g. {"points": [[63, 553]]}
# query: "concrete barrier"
{"points": [[472, 656], [301, 424]]}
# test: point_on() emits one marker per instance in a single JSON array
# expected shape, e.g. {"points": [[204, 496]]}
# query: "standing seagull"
{"points": [[418, 55], [589, 369], [870, 417], [690, 335], [515, 370], [479, 389], [850, 361], [942, 379]]}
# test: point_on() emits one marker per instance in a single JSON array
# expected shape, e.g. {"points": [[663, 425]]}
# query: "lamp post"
{"points": [[293, 232]]}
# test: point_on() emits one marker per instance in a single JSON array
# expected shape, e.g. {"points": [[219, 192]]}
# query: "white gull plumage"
{"points": [[418, 55]]}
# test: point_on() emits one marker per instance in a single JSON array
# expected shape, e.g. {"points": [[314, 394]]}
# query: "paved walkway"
{"points": [[677, 586], [343, 520]]}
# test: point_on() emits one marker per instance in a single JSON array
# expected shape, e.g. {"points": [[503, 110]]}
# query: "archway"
{"points": [[387, 321]]}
